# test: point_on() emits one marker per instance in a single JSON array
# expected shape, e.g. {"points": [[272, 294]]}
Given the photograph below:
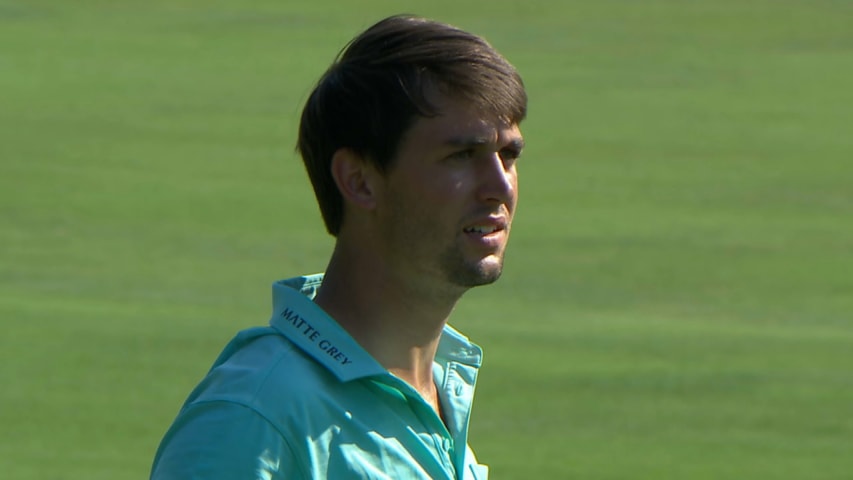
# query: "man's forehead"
{"points": [[463, 118], [485, 136]]}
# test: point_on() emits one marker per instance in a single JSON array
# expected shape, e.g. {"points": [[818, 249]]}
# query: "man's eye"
{"points": [[510, 154], [462, 154]]}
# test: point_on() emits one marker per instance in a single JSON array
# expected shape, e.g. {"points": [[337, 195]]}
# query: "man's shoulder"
{"points": [[262, 370]]}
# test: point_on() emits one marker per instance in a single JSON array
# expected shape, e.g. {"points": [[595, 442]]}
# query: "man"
{"points": [[410, 140]]}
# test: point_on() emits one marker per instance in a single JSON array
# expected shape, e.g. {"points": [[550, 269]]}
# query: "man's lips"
{"points": [[486, 226], [483, 229]]}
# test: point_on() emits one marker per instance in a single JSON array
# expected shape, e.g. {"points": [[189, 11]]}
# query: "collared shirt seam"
{"points": [[262, 383], [265, 418]]}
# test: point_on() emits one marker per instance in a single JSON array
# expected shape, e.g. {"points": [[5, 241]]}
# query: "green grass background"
{"points": [[677, 302]]}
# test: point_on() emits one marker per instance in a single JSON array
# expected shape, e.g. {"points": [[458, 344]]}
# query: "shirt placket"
{"points": [[439, 440]]}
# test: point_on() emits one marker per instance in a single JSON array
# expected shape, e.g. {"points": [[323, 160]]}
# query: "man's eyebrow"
{"points": [[479, 141], [470, 141]]}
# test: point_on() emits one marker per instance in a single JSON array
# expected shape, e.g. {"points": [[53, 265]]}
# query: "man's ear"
{"points": [[357, 179]]}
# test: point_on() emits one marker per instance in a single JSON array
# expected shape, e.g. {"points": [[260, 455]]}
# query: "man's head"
{"points": [[386, 79]]}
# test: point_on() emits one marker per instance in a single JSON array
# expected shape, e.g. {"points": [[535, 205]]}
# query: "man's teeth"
{"points": [[481, 230]]}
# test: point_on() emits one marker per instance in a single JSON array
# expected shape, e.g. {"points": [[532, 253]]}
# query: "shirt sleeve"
{"points": [[223, 440]]}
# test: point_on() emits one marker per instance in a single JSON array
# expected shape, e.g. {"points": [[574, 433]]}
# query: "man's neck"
{"points": [[391, 318]]}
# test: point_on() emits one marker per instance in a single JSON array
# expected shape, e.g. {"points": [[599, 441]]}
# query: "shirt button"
{"points": [[458, 390], [446, 444]]}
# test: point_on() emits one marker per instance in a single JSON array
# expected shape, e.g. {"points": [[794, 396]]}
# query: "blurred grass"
{"points": [[678, 296]]}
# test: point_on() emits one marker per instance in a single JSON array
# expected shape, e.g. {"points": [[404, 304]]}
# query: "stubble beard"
{"points": [[467, 273], [454, 267], [459, 271]]}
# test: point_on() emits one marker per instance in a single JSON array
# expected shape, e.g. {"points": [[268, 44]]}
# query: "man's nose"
{"points": [[498, 181]]}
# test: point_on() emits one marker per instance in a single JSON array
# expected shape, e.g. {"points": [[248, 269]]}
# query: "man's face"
{"points": [[448, 200]]}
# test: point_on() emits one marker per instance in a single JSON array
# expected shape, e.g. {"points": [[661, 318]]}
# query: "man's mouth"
{"points": [[482, 229]]}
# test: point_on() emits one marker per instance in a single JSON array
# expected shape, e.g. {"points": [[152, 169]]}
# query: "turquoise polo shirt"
{"points": [[301, 399]]}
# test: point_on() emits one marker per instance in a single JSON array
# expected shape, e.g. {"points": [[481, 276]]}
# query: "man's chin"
{"points": [[484, 272]]}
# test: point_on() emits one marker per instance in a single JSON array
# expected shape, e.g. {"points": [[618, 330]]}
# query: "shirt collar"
{"points": [[305, 324], [455, 347]]}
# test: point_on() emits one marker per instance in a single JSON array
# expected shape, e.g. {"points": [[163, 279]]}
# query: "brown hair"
{"points": [[377, 87]]}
